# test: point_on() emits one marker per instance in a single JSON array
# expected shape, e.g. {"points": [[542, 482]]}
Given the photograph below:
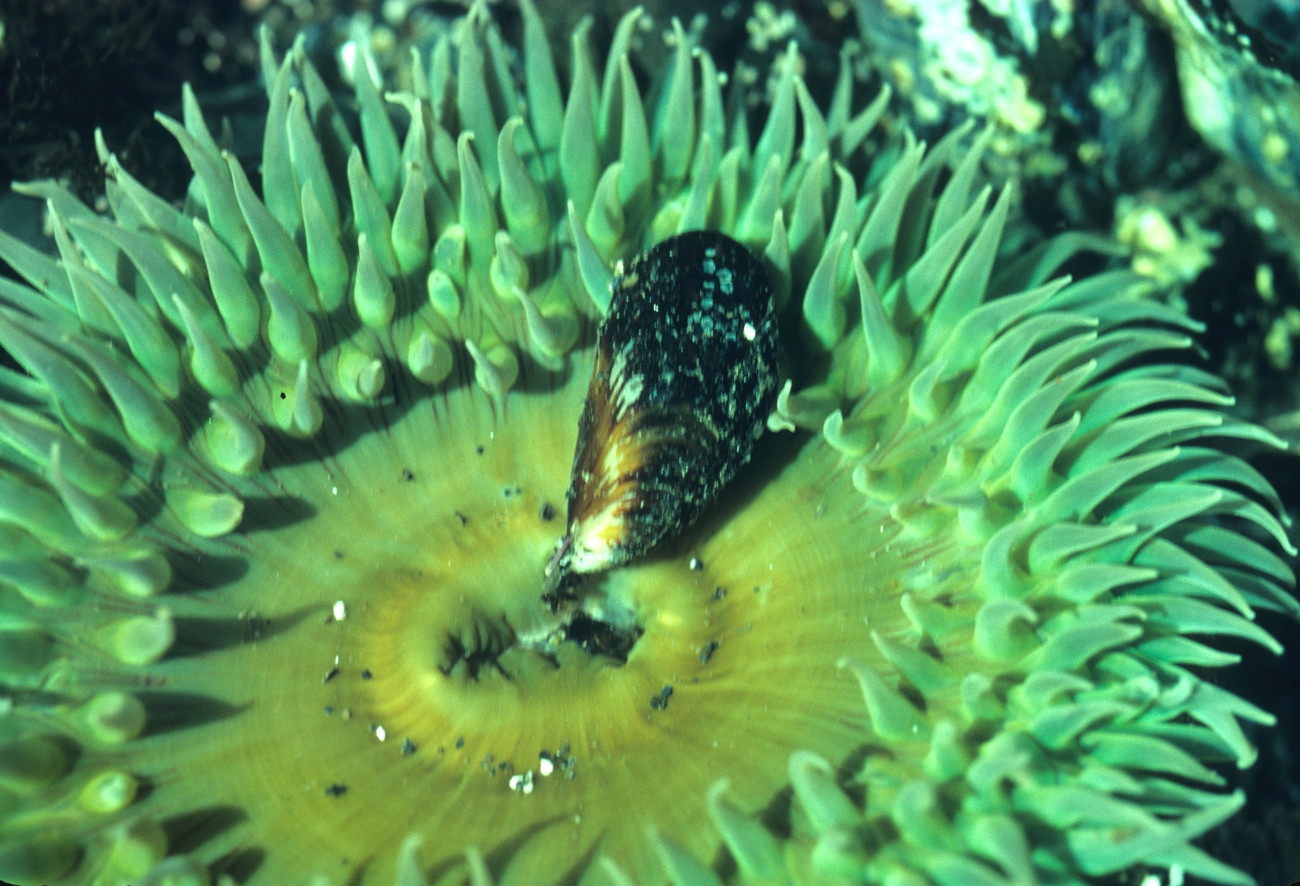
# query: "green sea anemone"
{"points": [[279, 485]]}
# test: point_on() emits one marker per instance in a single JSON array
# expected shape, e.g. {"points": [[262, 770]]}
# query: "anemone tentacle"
{"points": [[285, 462]]}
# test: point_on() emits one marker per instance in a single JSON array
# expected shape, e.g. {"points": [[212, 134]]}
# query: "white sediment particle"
{"points": [[1176, 876], [522, 784], [340, 610], [750, 332]]}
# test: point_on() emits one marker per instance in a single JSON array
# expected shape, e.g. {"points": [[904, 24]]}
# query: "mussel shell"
{"points": [[685, 376]]}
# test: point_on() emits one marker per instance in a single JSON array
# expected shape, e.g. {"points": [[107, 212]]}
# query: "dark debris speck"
{"points": [[660, 702], [707, 652], [407, 475], [365, 674], [548, 512], [336, 790], [408, 747]]}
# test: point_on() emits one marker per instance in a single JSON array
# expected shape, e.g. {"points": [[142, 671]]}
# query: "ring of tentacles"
{"points": [[284, 466]]}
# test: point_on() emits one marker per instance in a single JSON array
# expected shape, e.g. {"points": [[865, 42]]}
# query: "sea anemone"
{"points": [[280, 484]]}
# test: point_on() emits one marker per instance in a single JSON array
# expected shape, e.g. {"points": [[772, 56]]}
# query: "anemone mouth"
{"points": [[279, 488]]}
